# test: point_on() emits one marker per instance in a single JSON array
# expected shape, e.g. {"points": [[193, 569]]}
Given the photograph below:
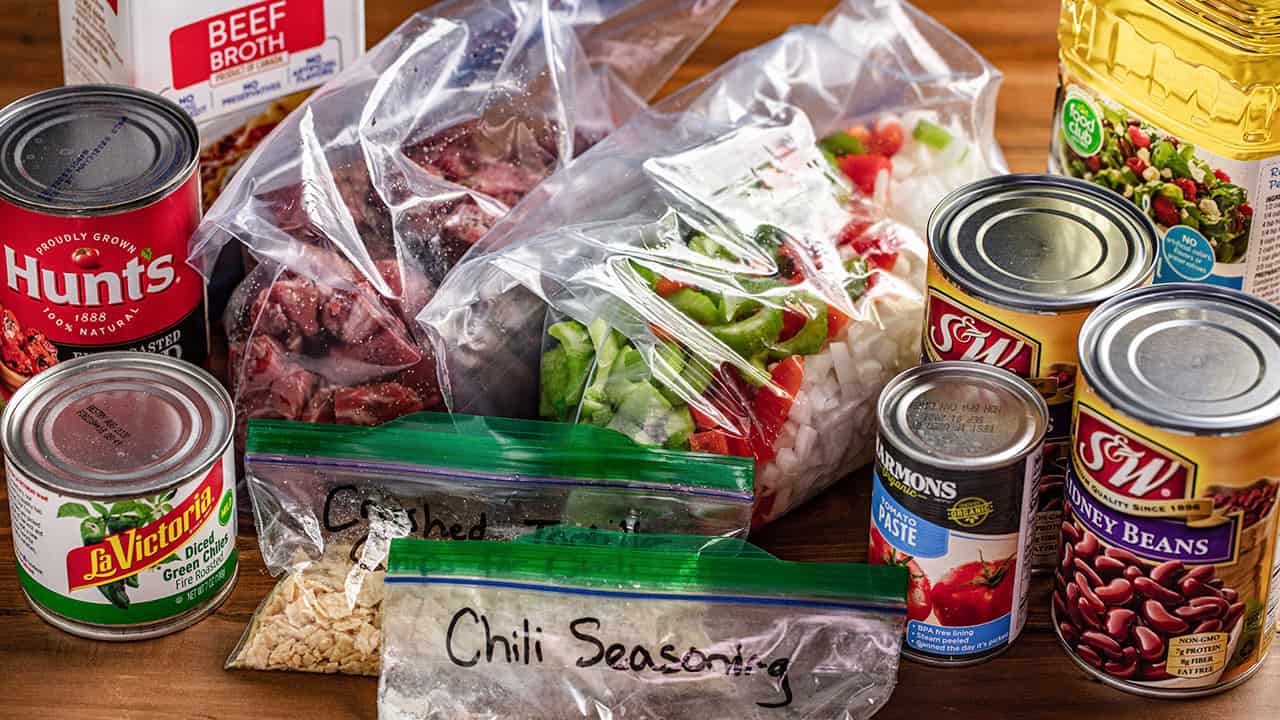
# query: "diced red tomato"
{"points": [[1166, 213], [772, 405], [711, 441], [1245, 210], [1136, 165], [886, 139], [862, 133], [1138, 138], [1222, 176], [863, 169], [763, 506], [1093, 162], [1188, 188], [667, 287], [876, 251], [855, 229], [662, 334], [792, 322], [836, 321]]}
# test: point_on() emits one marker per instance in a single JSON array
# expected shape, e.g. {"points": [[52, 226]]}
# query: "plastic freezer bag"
{"points": [[710, 276], [600, 630], [328, 499], [360, 201]]}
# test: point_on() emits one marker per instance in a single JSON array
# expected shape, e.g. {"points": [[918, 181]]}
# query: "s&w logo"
{"points": [[956, 332], [1128, 465]]}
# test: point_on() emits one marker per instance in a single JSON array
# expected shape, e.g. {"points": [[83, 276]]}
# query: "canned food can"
{"points": [[957, 463], [99, 197], [1168, 582], [122, 494], [1016, 264]]}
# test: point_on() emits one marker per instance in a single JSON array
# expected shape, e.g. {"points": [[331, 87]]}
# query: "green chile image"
{"points": [[97, 521]]}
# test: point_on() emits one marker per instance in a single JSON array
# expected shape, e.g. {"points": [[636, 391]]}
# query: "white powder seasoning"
{"points": [[484, 651]]}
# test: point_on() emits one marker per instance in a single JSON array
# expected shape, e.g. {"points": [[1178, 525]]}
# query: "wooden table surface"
{"points": [[45, 673]]}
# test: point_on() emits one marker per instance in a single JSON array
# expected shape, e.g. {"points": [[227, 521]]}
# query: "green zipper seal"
{"points": [[625, 568], [499, 446]]}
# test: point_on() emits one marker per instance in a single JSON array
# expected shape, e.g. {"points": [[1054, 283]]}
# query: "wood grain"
{"points": [[48, 674]]}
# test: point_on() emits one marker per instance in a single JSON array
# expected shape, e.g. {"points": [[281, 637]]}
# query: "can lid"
{"points": [[94, 149], [1041, 243], [1186, 357], [961, 415], [116, 424]]}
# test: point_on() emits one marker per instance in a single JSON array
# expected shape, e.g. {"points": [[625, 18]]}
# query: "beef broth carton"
{"points": [[237, 66]]}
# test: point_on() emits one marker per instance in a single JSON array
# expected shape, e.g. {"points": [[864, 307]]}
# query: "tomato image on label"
{"points": [[86, 258], [919, 591], [975, 593]]}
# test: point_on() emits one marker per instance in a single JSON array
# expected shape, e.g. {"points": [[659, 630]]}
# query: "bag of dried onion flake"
{"points": [[329, 499], [602, 629]]}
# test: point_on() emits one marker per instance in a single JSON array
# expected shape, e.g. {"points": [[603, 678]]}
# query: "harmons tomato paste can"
{"points": [[122, 494], [1016, 264], [99, 196], [957, 463], [1168, 583]]}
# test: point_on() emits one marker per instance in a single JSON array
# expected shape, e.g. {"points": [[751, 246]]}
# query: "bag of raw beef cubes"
{"points": [[356, 207]]}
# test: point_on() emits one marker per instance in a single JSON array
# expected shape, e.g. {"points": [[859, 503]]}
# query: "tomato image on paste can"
{"points": [[99, 196], [1016, 264], [1168, 581], [957, 463]]}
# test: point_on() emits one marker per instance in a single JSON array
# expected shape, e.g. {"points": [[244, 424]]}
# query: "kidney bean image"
{"points": [[1116, 592], [1156, 591], [1166, 572], [1253, 503], [1118, 612], [1150, 645]]}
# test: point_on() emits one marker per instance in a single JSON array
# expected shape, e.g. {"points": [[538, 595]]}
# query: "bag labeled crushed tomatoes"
{"points": [[362, 200], [713, 276]]}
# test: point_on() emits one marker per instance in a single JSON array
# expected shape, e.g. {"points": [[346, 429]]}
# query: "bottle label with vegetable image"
{"points": [[125, 561], [1203, 203]]}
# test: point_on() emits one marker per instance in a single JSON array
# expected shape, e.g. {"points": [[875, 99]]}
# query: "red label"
{"points": [[956, 332], [1126, 464], [74, 285], [254, 34], [115, 6], [136, 549]]}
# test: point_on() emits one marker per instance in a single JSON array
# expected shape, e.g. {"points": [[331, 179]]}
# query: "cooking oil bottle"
{"points": [[1176, 105]]}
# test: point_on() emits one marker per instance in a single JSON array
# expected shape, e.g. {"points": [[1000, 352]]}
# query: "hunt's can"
{"points": [[99, 197], [1016, 264], [1168, 583], [957, 464], [122, 494]]}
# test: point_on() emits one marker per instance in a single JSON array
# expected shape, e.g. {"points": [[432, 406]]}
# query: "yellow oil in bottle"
{"points": [[1175, 104]]}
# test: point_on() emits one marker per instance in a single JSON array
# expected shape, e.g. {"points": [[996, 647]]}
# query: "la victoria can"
{"points": [[99, 198], [1168, 581], [957, 464], [122, 494], [1016, 264]]}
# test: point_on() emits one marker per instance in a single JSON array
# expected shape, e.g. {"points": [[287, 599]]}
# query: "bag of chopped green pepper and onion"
{"points": [[730, 273], [744, 300], [1165, 178]]}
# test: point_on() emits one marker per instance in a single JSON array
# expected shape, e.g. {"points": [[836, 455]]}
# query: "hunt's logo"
{"points": [[138, 279], [956, 332], [128, 553], [1126, 465]]}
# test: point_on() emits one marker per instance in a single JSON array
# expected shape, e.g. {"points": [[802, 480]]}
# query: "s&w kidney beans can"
{"points": [[1168, 580], [122, 494], [957, 464], [99, 196], [1016, 264]]}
